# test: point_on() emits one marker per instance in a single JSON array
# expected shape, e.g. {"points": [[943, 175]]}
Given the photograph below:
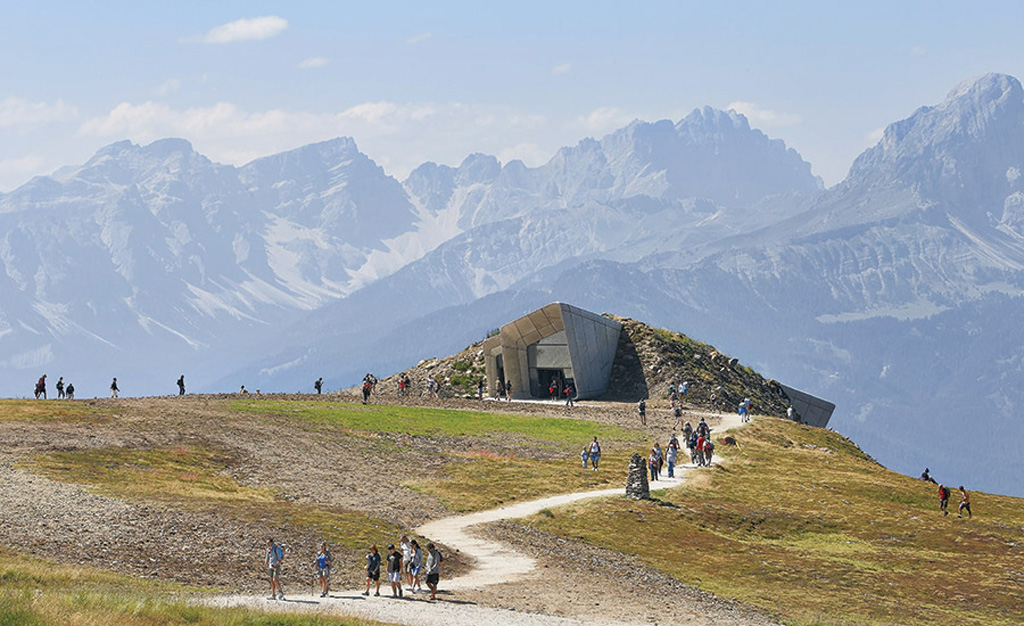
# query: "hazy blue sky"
{"points": [[417, 81]]}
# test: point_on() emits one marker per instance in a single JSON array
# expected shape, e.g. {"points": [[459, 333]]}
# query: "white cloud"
{"points": [[876, 135], [313, 62], [19, 112], [14, 172], [764, 118], [561, 69], [603, 119], [415, 39], [167, 87], [398, 136], [246, 29]]}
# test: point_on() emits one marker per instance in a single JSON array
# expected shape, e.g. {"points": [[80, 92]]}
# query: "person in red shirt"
{"points": [[700, 450], [943, 499]]}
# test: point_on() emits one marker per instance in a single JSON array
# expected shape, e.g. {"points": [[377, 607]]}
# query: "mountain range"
{"points": [[894, 294]]}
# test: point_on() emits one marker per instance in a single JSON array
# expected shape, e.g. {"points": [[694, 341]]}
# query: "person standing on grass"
{"points": [[70, 394], [595, 453], [434, 560], [395, 571], [272, 561], [60, 388], [41, 387], [641, 410], [181, 385], [965, 503], [319, 385], [323, 568], [585, 455], [943, 499], [372, 570], [416, 567], [113, 388]]}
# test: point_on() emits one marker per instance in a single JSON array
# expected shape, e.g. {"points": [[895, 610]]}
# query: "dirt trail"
{"points": [[495, 563]]}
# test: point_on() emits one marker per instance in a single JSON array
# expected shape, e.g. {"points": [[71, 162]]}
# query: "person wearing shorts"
{"points": [[372, 568], [395, 571], [323, 568], [965, 503], [272, 561], [434, 559], [406, 548], [416, 566]]}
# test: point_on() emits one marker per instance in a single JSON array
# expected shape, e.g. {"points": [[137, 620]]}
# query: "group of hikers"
{"points": [[408, 561], [64, 391], [698, 443], [965, 498]]}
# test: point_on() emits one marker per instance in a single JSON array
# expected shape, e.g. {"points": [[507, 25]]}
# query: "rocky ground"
{"points": [[69, 523]]}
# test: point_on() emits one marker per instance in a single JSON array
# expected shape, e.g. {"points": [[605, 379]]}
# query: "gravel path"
{"points": [[499, 565]]}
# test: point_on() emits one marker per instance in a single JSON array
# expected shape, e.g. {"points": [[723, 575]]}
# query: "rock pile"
{"points": [[636, 481]]}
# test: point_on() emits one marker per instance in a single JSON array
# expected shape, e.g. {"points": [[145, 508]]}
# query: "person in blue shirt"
{"points": [[323, 568]]}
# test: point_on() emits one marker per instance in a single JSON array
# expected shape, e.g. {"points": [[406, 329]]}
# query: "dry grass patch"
{"points": [[52, 411], [476, 481], [799, 522]]}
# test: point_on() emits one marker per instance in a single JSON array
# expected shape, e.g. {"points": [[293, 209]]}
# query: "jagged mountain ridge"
{"points": [[155, 249]]}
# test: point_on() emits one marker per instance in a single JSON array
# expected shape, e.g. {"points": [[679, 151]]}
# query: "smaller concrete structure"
{"points": [[809, 409], [557, 345]]}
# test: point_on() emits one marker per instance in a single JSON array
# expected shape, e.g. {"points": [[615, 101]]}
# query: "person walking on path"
{"points": [[181, 385], [595, 453], [943, 499], [434, 560], [508, 390], [319, 385], [641, 409], [416, 567], [406, 547], [60, 388], [323, 568], [41, 387], [652, 464], [372, 570], [272, 561], [569, 400], [709, 449], [965, 503], [395, 571], [113, 388], [670, 457]]}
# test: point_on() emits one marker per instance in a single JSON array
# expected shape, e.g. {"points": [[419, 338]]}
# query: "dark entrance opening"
{"points": [[545, 379]]}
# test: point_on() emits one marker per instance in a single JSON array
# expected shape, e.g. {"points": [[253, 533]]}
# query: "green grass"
{"points": [[800, 523], [478, 480], [430, 422], [35, 592]]}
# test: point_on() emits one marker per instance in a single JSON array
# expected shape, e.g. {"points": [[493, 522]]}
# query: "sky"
{"points": [[436, 81]]}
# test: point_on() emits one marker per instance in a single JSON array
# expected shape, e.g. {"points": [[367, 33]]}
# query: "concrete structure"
{"points": [[557, 343], [809, 409]]}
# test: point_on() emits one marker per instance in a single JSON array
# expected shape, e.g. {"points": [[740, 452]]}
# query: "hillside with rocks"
{"points": [[647, 361]]}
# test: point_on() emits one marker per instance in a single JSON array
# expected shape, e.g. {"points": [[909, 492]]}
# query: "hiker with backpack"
{"points": [[318, 385], [69, 392], [323, 568], [60, 388], [41, 387], [709, 449], [943, 499], [181, 385], [641, 409], [272, 561]]}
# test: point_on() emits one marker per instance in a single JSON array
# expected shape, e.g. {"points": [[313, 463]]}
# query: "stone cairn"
{"points": [[637, 487]]}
